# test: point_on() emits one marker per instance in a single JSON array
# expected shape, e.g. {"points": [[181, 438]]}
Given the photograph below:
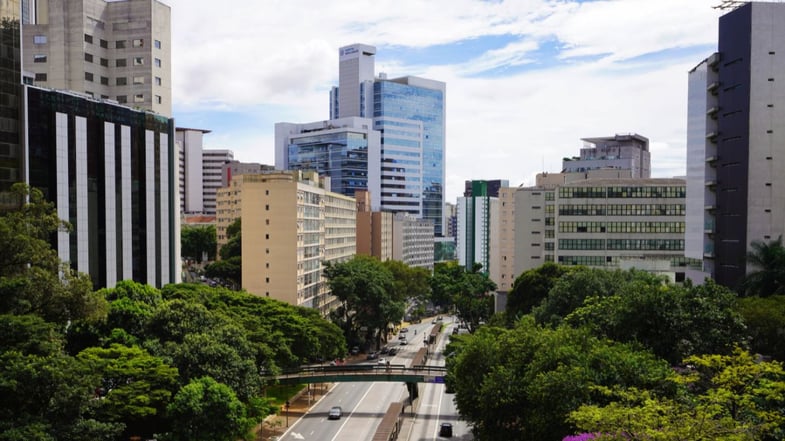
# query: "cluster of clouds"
{"points": [[526, 79]]}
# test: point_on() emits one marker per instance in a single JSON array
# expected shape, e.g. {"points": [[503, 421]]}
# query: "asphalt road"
{"points": [[364, 404]]}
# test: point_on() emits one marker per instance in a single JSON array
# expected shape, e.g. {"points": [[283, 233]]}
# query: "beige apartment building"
{"points": [[506, 270], [291, 226], [115, 50]]}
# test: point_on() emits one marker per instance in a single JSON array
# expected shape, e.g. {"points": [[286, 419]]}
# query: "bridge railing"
{"points": [[361, 369]]}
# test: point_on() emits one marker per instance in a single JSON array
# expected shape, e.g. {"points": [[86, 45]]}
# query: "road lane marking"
{"points": [[352, 411]]}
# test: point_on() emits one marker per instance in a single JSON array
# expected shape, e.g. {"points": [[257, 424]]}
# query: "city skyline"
{"points": [[525, 80]]}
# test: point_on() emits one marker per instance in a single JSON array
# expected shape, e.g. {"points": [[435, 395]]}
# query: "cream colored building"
{"points": [[607, 223], [506, 273], [291, 226], [115, 50]]}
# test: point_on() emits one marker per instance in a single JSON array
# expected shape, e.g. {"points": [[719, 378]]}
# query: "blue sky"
{"points": [[526, 79]]}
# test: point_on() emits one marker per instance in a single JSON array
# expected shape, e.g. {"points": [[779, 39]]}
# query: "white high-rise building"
{"points": [[201, 171]]}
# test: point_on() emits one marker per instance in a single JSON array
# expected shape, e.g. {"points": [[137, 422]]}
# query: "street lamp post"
{"points": [[286, 408]]}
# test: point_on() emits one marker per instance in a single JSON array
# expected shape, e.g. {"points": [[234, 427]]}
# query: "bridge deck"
{"points": [[361, 373]]}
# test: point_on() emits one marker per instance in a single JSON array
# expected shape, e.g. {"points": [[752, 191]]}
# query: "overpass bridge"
{"points": [[361, 373]]}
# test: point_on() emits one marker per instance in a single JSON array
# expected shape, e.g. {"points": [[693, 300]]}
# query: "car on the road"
{"points": [[372, 356], [381, 362], [335, 413], [445, 430], [384, 350], [355, 350], [392, 351], [404, 330], [403, 341]]}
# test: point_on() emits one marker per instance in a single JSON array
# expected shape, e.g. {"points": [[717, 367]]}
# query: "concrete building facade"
{"points": [[374, 229], [291, 226], [413, 241], [621, 152], [507, 274], [115, 50], [617, 223], [740, 157]]}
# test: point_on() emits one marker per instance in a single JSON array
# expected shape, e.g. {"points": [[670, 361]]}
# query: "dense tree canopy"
{"points": [[521, 383], [197, 242], [765, 319], [468, 290], [365, 288], [767, 276], [531, 288], [721, 397]]}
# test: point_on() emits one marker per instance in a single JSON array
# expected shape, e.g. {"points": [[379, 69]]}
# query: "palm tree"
{"points": [[768, 262]]}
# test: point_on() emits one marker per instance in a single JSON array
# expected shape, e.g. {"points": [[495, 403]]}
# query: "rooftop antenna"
{"points": [[730, 4]]}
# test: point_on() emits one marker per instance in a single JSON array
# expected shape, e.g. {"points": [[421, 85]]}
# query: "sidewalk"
{"points": [[275, 425]]}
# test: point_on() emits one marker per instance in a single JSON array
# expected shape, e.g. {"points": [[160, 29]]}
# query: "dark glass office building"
{"points": [[109, 169]]}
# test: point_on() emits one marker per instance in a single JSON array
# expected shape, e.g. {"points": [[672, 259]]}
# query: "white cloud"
{"points": [[282, 54]]}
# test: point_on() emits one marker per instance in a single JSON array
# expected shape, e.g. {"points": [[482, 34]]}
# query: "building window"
{"points": [[88, 57], [40, 77], [39, 58], [139, 98], [88, 76], [104, 44], [90, 94], [119, 44], [39, 39], [157, 81], [105, 81], [157, 44], [122, 99], [138, 42], [138, 80], [104, 62], [88, 38], [267, 207], [157, 62], [121, 81], [158, 99], [138, 61], [120, 62], [267, 236]]}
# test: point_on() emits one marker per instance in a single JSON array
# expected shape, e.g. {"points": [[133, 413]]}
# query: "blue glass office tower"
{"points": [[342, 156], [347, 150], [409, 112]]}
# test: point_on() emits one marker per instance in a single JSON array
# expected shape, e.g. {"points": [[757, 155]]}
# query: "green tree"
{"points": [[364, 286], [233, 248], [229, 270], [197, 242], [206, 410], [473, 299], [575, 286], [521, 383], [765, 320], [409, 282], [32, 278], [135, 387], [673, 321], [722, 397], [768, 263], [47, 395], [531, 288]]}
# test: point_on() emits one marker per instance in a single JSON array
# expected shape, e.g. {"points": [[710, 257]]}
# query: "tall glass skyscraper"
{"points": [[409, 112]]}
